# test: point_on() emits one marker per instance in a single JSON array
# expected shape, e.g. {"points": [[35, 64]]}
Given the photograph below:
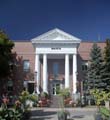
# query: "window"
{"points": [[84, 66], [25, 84], [26, 65], [55, 69], [10, 85]]}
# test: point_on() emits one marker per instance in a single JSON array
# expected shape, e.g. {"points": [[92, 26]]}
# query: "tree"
{"points": [[94, 74], [6, 46], [106, 73]]}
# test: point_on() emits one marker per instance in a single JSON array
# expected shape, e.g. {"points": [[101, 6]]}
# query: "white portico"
{"points": [[50, 45]]}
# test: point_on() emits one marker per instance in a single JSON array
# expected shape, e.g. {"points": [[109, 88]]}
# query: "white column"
{"points": [[37, 72], [45, 81], [67, 71], [74, 73]]}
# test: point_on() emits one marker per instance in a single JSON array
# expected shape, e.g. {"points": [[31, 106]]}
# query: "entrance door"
{"points": [[30, 88], [56, 88]]}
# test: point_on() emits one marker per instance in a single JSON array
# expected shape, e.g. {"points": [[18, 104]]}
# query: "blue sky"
{"points": [[26, 19]]}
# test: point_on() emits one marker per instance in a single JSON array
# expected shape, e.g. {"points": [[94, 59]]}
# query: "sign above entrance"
{"points": [[63, 50], [56, 48]]}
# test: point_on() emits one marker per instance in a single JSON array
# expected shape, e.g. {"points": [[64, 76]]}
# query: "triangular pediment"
{"points": [[55, 35]]}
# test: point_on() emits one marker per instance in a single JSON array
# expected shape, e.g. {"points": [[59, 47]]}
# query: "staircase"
{"points": [[56, 101]]}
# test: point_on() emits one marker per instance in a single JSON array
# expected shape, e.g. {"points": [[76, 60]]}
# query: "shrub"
{"points": [[65, 93], [44, 95], [105, 113], [10, 114], [19, 111], [100, 96], [23, 99], [33, 97]]}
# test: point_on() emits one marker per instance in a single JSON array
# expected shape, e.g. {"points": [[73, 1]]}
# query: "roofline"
{"points": [[52, 31], [83, 41], [87, 41], [21, 40], [56, 42]]}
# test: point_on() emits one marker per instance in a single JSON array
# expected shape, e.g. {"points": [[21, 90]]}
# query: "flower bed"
{"points": [[20, 108], [44, 102], [68, 102]]}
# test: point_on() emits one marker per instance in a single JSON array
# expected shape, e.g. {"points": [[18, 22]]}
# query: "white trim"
{"points": [[74, 73], [55, 35], [67, 75], [45, 81], [64, 50], [56, 41], [37, 72], [30, 81]]}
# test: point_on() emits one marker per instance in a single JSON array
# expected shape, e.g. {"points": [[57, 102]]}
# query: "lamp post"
{"points": [[36, 83], [35, 79], [76, 94]]}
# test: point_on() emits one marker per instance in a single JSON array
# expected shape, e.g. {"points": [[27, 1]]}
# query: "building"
{"points": [[52, 61]]}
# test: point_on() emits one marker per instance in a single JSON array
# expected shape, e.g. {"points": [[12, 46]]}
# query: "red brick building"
{"points": [[52, 61]]}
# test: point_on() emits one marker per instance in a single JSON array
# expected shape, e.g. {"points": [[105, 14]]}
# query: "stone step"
{"points": [[56, 101]]}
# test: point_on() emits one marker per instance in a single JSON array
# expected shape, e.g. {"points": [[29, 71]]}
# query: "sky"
{"points": [[88, 20]]}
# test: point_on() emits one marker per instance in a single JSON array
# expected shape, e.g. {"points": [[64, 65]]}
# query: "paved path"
{"points": [[51, 113]]}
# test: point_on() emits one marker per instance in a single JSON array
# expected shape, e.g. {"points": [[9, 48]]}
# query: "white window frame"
{"points": [[26, 66], [84, 66]]}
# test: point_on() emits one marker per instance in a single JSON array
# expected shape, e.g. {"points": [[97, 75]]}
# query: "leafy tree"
{"points": [[106, 73], [95, 69], [6, 46]]}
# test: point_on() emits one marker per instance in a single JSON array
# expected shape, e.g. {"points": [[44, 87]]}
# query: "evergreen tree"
{"points": [[106, 73], [95, 68]]}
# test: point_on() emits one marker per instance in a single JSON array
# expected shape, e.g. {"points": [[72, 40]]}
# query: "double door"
{"points": [[55, 88]]}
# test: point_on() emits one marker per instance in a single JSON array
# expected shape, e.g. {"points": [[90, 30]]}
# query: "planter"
{"points": [[107, 105], [98, 116], [26, 115], [62, 115], [29, 103]]}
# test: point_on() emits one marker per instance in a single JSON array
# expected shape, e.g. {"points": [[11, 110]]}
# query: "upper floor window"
{"points": [[26, 65], [55, 68], [10, 85], [84, 66]]}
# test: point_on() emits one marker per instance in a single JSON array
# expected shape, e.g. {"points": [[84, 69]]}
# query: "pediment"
{"points": [[55, 35]]}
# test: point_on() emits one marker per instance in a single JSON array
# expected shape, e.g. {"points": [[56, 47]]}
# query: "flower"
{"points": [[71, 102], [5, 100], [17, 103]]}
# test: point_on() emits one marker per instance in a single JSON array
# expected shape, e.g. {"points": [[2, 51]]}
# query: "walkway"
{"points": [[51, 113]]}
